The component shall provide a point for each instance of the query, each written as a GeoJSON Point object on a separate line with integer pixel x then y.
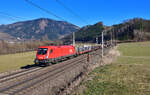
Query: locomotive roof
{"type": "Point", "coordinates": [56, 46]}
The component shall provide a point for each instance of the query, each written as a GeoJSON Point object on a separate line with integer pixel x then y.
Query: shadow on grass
{"type": "Point", "coordinates": [35, 65]}
{"type": "Point", "coordinates": [30, 66]}
{"type": "Point", "coordinates": [43, 65]}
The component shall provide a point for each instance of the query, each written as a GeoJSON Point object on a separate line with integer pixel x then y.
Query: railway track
{"type": "Point", "coordinates": [18, 74]}
{"type": "Point", "coordinates": [11, 74]}
{"type": "Point", "coordinates": [18, 82]}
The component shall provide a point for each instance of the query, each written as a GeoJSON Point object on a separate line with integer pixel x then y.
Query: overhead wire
{"type": "Point", "coordinates": [45, 10]}
{"type": "Point", "coordinates": [7, 17]}
{"type": "Point", "coordinates": [71, 11]}
{"type": "Point", "coordinates": [12, 17]}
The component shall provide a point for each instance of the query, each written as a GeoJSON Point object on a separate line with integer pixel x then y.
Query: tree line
{"type": "Point", "coordinates": [19, 47]}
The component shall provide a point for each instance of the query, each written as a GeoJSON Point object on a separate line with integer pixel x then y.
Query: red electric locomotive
{"type": "Point", "coordinates": [51, 54]}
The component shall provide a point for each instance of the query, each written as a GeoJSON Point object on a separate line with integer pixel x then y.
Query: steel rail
{"type": "Point", "coordinates": [35, 77]}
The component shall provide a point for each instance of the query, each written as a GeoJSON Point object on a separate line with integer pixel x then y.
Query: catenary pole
{"type": "Point", "coordinates": [73, 38]}
{"type": "Point", "coordinates": [102, 44]}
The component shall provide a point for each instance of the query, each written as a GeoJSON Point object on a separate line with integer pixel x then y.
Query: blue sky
{"type": "Point", "coordinates": [108, 11]}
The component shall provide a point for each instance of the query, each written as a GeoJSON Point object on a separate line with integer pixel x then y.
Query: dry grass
{"type": "Point", "coordinates": [15, 61]}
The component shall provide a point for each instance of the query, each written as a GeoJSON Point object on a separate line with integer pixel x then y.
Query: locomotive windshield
{"type": "Point", "coordinates": [42, 51]}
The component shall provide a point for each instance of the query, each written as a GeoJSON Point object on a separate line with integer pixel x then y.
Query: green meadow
{"type": "Point", "coordinates": [16, 61]}
{"type": "Point", "coordinates": [128, 75]}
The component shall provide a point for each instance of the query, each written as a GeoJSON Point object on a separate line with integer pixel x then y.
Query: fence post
{"type": "Point", "coordinates": [88, 58]}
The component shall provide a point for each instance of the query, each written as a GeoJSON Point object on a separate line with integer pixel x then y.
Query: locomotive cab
{"type": "Point", "coordinates": [42, 53]}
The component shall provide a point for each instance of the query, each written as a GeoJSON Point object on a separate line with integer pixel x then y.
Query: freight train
{"type": "Point", "coordinates": [47, 55]}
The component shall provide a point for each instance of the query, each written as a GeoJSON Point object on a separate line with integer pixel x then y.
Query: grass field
{"type": "Point", "coordinates": [129, 75]}
{"type": "Point", "coordinates": [15, 61]}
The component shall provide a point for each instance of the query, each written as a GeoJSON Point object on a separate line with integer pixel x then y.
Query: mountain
{"type": "Point", "coordinates": [136, 29]}
{"type": "Point", "coordinates": [42, 28]}
{"type": "Point", "coordinates": [87, 33]}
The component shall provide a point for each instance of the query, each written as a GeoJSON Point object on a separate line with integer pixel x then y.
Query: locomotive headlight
{"type": "Point", "coordinates": [46, 56]}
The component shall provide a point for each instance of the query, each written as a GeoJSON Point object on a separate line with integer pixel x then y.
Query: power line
{"type": "Point", "coordinates": [45, 10]}
{"type": "Point", "coordinates": [12, 17]}
{"type": "Point", "coordinates": [71, 11]}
